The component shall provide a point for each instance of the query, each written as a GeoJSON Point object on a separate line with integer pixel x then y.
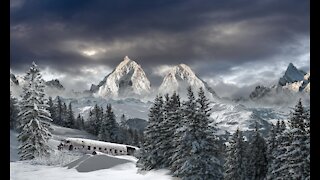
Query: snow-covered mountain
{"type": "Point", "coordinates": [293, 83]}
{"type": "Point", "coordinates": [54, 83]}
{"type": "Point", "coordinates": [291, 75]}
{"type": "Point", "coordinates": [127, 79]}
{"type": "Point", "coordinates": [52, 88]}
{"type": "Point", "coordinates": [179, 78]}
{"type": "Point", "coordinates": [132, 108]}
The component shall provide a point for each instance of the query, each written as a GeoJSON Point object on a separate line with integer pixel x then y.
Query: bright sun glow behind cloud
{"type": "Point", "coordinates": [89, 52]}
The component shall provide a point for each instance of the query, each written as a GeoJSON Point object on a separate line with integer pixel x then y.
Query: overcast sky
{"type": "Point", "coordinates": [233, 45]}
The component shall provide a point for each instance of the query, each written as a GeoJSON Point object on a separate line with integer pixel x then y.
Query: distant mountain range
{"type": "Point", "coordinates": [129, 80]}
{"type": "Point", "coordinates": [52, 87]}
{"type": "Point", "coordinates": [292, 82]}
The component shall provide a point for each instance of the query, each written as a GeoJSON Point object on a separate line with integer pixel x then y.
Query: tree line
{"type": "Point", "coordinates": [180, 137]}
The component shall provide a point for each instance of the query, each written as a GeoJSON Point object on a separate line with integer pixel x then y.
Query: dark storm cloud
{"type": "Point", "coordinates": [208, 35]}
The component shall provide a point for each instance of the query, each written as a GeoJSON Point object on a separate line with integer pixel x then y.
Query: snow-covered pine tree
{"type": "Point", "coordinates": [177, 115]}
{"type": "Point", "coordinates": [275, 169]}
{"type": "Point", "coordinates": [34, 117]}
{"type": "Point", "coordinates": [199, 160]}
{"type": "Point", "coordinates": [175, 118]}
{"type": "Point", "coordinates": [149, 158]}
{"type": "Point", "coordinates": [212, 150]}
{"type": "Point", "coordinates": [235, 164]}
{"type": "Point", "coordinates": [70, 121]}
{"type": "Point", "coordinates": [14, 110]}
{"type": "Point", "coordinates": [271, 143]}
{"type": "Point", "coordinates": [257, 157]}
{"type": "Point", "coordinates": [181, 136]}
{"type": "Point", "coordinates": [307, 144]}
{"type": "Point", "coordinates": [290, 160]}
{"type": "Point", "coordinates": [166, 128]}
{"type": "Point", "coordinates": [298, 149]}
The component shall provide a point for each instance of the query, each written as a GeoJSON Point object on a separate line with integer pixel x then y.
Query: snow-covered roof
{"type": "Point", "coordinates": [90, 142]}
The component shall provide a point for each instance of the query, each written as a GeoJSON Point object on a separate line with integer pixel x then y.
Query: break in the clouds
{"type": "Point", "coordinates": [240, 43]}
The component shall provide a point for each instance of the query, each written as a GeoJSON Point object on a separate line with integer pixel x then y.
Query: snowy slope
{"type": "Point", "coordinates": [229, 116]}
{"type": "Point", "coordinates": [31, 170]}
{"type": "Point", "coordinates": [179, 78]}
{"type": "Point", "coordinates": [26, 171]}
{"type": "Point", "coordinates": [126, 80]}
{"type": "Point", "coordinates": [132, 108]}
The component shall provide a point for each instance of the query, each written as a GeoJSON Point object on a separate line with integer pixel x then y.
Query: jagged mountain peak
{"type": "Point", "coordinates": [126, 62]}
{"type": "Point", "coordinates": [291, 75]}
{"type": "Point", "coordinates": [181, 76]}
{"type": "Point", "coordinates": [292, 82]}
{"type": "Point", "coordinates": [55, 83]}
{"type": "Point", "coordinates": [127, 79]}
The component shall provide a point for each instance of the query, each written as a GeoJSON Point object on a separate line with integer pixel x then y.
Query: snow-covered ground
{"type": "Point", "coordinates": [25, 171]}
{"type": "Point", "coordinates": [92, 167]}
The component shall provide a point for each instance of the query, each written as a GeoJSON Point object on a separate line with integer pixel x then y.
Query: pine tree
{"type": "Point", "coordinates": [271, 144]}
{"type": "Point", "coordinates": [109, 130]}
{"type": "Point", "coordinates": [79, 122]}
{"type": "Point", "coordinates": [14, 110]}
{"type": "Point", "coordinates": [95, 119]}
{"type": "Point", "coordinates": [123, 121]}
{"type": "Point", "coordinates": [166, 128]}
{"type": "Point", "coordinates": [34, 117]}
{"type": "Point", "coordinates": [64, 115]}
{"type": "Point", "coordinates": [235, 164]}
{"type": "Point", "coordinates": [150, 157]}
{"type": "Point", "coordinates": [105, 132]}
{"type": "Point", "coordinates": [277, 168]}
{"type": "Point", "coordinates": [89, 125]}
{"type": "Point", "coordinates": [257, 157]}
{"type": "Point", "coordinates": [189, 109]}
{"type": "Point", "coordinates": [200, 159]}
{"type": "Point", "coordinates": [291, 157]}
{"type": "Point", "coordinates": [70, 121]}
{"type": "Point", "coordinates": [58, 112]}
{"type": "Point", "coordinates": [52, 109]}
{"type": "Point", "coordinates": [307, 145]}
{"type": "Point", "coordinates": [298, 149]}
